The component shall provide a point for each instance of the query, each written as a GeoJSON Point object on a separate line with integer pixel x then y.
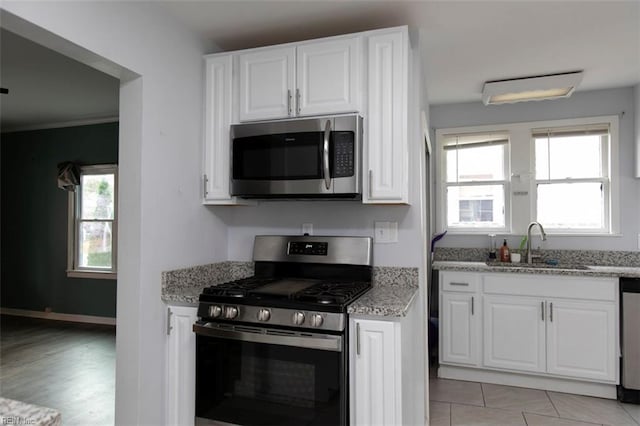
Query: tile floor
{"type": "Point", "coordinates": [459, 403]}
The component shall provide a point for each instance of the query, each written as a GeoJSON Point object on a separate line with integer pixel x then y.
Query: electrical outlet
{"type": "Point", "coordinates": [385, 232]}
{"type": "Point", "coordinates": [307, 228]}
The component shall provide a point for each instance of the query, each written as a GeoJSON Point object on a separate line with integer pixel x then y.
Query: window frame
{"type": "Point", "coordinates": [605, 180]}
{"type": "Point", "coordinates": [522, 175]}
{"type": "Point", "coordinates": [73, 223]}
{"type": "Point", "coordinates": [443, 185]}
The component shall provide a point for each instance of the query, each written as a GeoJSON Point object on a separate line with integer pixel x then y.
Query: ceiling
{"type": "Point", "coordinates": [463, 45]}
{"type": "Point", "coordinates": [47, 89]}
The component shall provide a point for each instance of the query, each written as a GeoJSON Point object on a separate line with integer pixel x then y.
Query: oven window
{"type": "Point", "coordinates": [278, 157]}
{"type": "Point", "coordinates": [260, 384]}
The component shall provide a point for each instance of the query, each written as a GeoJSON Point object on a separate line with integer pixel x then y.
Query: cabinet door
{"type": "Point", "coordinates": [328, 77]}
{"type": "Point", "coordinates": [216, 138]}
{"type": "Point", "coordinates": [386, 146]}
{"type": "Point", "coordinates": [375, 391]}
{"type": "Point", "coordinates": [181, 366]}
{"type": "Point", "coordinates": [267, 80]}
{"type": "Point", "coordinates": [581, 339]}
{"type": "Point", "coordinates": [514, 333]}
{"type": "Point", "coordinates": [460, 328]}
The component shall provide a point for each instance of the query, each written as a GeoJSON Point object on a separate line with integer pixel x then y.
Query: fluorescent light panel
{"type": "Point", "coordinates": [530, 88]}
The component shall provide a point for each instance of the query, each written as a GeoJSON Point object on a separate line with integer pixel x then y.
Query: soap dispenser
{"type": "Point", "coordinates": [505, 256]}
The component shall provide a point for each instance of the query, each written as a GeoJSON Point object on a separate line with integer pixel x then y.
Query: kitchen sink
{"type": "Point", "coordinates": [537, 265]}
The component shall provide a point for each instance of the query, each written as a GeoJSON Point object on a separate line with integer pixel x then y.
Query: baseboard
{"type": "Point", "coordinates": [600, 390]}
{"type": "Point", "coordinates": [56, 316]}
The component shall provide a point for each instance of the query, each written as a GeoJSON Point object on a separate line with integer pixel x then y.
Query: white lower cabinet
{"type": "Point", "coordinates": [545, 327]}
{"type": "Point", "coordinates": [181, 365]}
{"type": "Point", "coordinates": [514, 333]}
{"type": "Point", "coordinates": [377, 384]}
{"type": "Point", "coordinates": [581, 339]}
{"type": "Point", "coordinates": [387, 359]}
{"type": "Point", "coordinates": [460, 317]}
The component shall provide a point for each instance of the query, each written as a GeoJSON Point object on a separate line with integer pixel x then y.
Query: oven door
{"type": "Point", "coordinates": [255, 376]}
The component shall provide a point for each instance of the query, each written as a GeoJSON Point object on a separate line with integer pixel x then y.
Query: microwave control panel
{"type": "Point", "coordinates": [343, 154]}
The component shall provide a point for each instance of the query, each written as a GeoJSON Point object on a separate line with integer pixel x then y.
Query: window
{"type": "Point", "coordinates": [93, 223]}
{"type": "Point", "coordinates": [572, 178]}
{"type": "Point", "coordinates": [475, 170]}
{"type": "Point", "coordinates": [561, 173]}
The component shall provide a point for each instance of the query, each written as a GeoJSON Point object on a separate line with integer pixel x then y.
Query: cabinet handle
{"type": "Point", "coordinates": [298, 101]}
{"type": "Point", "coordinates": [461, 284]}
{"type": "Point", "coordinates": [542, 309]}
{"type": "Point", "coordinates": [370, 182]}
{"type": "Point", "coordinates": [357, 338]}
{"type": "Point", "coordinates": [551, 311]}
{"type": "Point", "coordinates": [472, 304]}
{"type": "Point", "coordinates": [169, 327]}
{"type": "Point", "coordinates": [289, 102]}
{"type": "Point", "coordinates": [205, 181]}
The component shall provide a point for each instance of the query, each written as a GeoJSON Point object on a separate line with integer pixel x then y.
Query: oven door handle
{"type": "Point", "coordinates": [325, 155]}
{"type": "Point", "coordinates": [323, 342]}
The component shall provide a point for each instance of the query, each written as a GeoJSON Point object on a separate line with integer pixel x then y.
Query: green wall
{"type": "Point", "coordinates": [34, 220]}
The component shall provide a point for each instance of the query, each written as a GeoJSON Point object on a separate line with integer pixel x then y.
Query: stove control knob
{"type": "Point", "coordinates": [215, 311]}
{"type": "Point", "coordinates": [298, 318]}
{"type": "Point", "coordinates": [316, 320]}
{"type": "Point", "coordinates": [264, 315]}
{"type": "Point", "coordinates": [231, 312]}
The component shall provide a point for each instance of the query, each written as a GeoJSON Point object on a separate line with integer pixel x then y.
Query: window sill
{"type": "Point", "coordinates": [96, 275]}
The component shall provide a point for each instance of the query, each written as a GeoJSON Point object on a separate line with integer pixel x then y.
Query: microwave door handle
{"type": "Point", "coordinates": [325, 155]}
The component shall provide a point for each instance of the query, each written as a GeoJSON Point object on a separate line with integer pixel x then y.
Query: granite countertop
{"type": "Point", "coordinates": [394, 288]}
{"type": "Point", "coordinates": [592, 271]}
{"type": "Point", "coordinates": [385, 301]}
{"type": "Point", "coordinates": [14, 412]}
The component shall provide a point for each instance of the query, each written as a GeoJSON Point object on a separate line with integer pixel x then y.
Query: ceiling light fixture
{"type": "Point", "coordinates": [536, 88]}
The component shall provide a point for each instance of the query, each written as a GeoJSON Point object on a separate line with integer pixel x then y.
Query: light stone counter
{"type": "Point", "coordinates": [592, 271]}
{"type": "Point", "coordinates": [14, 412]}
{"type": "Point", "coordinates": [183, 286]}
{"type": "Point", "coordinates": [394, 289]}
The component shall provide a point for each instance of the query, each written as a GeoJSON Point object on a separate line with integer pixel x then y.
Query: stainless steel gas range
{"type": "Point", "coordinates": [272, 349]}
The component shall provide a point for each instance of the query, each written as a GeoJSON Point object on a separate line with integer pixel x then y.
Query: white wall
{"type": "Point", "coordinates": [580, 104]}
{"type": "Point", "coordinates": [636, 91]}
{"type": "Point", "coordinates": [162, 223]}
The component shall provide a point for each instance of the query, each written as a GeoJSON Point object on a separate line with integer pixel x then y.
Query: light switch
{"type": "Point", "coordinates": [385, 232]}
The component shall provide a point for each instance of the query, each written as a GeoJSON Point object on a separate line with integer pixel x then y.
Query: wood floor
{"type": "Point", "coordinates": [66, 366]}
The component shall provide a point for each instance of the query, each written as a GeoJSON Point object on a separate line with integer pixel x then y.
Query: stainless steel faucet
{"type": "Point", "coordinates": [543, 235]}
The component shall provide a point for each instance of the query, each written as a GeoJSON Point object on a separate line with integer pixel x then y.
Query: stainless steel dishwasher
{"type": "Point", "coordinates": [629, 389]}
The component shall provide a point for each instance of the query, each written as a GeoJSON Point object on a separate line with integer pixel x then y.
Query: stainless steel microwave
{"type": "Point", "coordinates": [303, 158]}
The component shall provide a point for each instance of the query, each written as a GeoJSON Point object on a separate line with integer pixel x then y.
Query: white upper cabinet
{"type": "Point", "coordinates": [216, 132]}
{"type": "Point", "coordinates": [386, 144]}
{"type": "Point", "coordinates": [366, 73]}
{"type": "Point", "coordinates": [267, 83]}
{"type": "Point", "coordinates": [312, 78]}
{"type": "Point", "coordinates": [328, 76]}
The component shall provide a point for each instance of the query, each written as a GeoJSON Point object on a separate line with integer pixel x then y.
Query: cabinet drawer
{"type": "Point", "coordinates": [542, 285]}
{"type": "Point", "coordinates": [459, 281]}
